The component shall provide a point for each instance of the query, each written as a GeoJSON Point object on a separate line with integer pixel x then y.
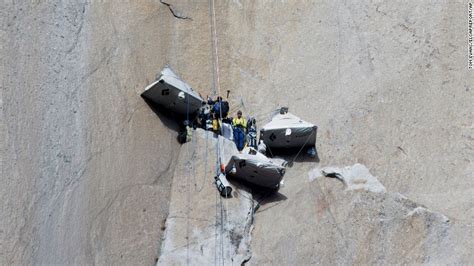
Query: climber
{"type": "Point", "coordinates": [220, 108]}
{"type": "Point", "coordinates": [239, 124]}
{"type": "Point", "coordinates": [219, 112]}
{"type": "Point", "coordinates": [214, 113]}
{"type": "Point", "coordinates": [252, 133]}
{"type": "Point", "coordinates": [204, 117]}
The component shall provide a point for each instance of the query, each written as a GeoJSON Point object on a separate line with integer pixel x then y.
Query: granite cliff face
{"type": "Point", "coordinates": [89, 170]}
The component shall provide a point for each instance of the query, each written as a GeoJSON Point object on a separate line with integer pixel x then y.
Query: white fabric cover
{"type": "Point", "coordinates": [171, 92]}
{"type": "Point", "coordinates": [285, 121]}
{"type": "Point", "coordinates": [171, 78]}
{"type": "Point", "coordinates": [288, 131]}
{"type": "Point", "coordinates": [254, 167]}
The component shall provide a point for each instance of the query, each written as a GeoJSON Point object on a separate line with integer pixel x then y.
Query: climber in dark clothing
{"type": "Point", "coordinates": [204, 117]}
{"type": "Point", "coordinates": [252, 133]}
{"type": "Point", "coordinates": [219, 112]}
{"type": "Point", "coordinates": [220, 108]}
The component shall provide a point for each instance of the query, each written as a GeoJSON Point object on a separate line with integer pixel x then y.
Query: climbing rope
{"type": "Point", "coordinates": [216, 87]}
{"type": "Point", "coordinates": [215, 230]}
{"type": "Point", "coordinates": [188, 199]}
{"type": "Point", "coordinates": [206, 156]}
{"type": "Point", "coordinates": [221, 245]}
{"type": "Point", "coordinates": [309, 136]}
{"type": "Point", "coordinates": [270, 150]}
{"type": "Point", "coordinates": [214, 37]}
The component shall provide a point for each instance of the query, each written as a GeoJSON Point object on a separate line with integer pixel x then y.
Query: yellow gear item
{"type": "Point", "coordinates": [216, 125]}
{"type": "Point", "coordinates": [239, 122]}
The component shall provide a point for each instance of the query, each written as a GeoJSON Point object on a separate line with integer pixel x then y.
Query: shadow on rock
{"type": "Point", "coordinates": [171, 120]}
{"type": "Point", "coordinates": [260, 195]}
{"type": "Point", "coordinates": [292, 155]}
{"type": "Point", "coordinates": [272, 197]}
{"type": "Point", "coordinates": [264, 201]}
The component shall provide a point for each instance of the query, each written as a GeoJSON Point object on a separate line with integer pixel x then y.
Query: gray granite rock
{"type": "Point", "coordinates": [204, 228]}
{"type": "Point", "coordinates": [87, 167]}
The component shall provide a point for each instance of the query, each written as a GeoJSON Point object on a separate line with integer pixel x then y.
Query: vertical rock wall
{"type": "Point", "coordinates": [86, 166]}
{"type": "Point", "coordinates": [204, 228]}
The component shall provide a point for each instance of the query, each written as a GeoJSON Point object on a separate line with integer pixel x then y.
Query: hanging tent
{"type": "Point", "coordinates": [255, 168]}
{"type": "Point", "coordinates": [286, 130]}
{"type": "Point", "coordinates": [171, 92]}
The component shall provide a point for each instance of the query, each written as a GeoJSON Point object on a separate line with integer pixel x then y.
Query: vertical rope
{"type": "Point", "coordinates": [214, 37]}
{"type": "Point", "coordinates": [216, 87]}
{"type": "Point", "coordinates": [187, 183]}
{"type": "Point", "coordinates": [213, 94]}
{"type": "Point", "coordinates": [211, 30]}
{"type": "Point", "coordinates": [215, 232]}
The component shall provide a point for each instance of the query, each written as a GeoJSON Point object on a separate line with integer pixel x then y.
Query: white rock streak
{"type": "Point", "coordinates": [355, 177]}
